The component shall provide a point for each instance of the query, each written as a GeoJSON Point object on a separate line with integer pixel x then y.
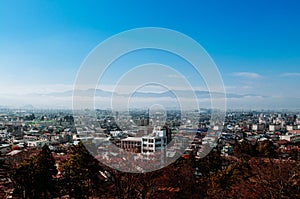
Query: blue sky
{"type": "Point", "coordinates": [255, 44]}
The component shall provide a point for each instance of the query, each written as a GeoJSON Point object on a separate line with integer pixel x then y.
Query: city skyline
{"type": "Point", "coordinates": [255, 46]}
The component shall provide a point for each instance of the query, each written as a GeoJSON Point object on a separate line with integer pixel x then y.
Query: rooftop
{"type": "Point", "coordinates": [135, 139]}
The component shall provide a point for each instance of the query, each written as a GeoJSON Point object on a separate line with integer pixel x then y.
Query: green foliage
{"type": "Point", "coordinates": [81, 172]}
{"type": "Point", "coordinates": [34, 177]}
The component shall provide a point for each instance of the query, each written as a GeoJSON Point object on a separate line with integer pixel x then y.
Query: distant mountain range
{"type": "Point", "coordinates": [170, 94]}
{"type": "Point", "coordinates": [63, 100]}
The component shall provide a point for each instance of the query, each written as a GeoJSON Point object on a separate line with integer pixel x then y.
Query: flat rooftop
{"type": "Point", "coordinates": [135, 139]}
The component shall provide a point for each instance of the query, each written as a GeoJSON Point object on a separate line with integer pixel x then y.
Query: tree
{"type": "Point", "coordinates": [222, 183]}
{"type": "Point", "coordinates": [257, 178]}
{"type": "Point", "coordinates": [245, 149]}
{"type": "Point", "coordinates": [5, 176]}
{"type": "Point", "coordinates": [267, 149]}
{"type": "Point", "coordinates": [81, 172]}
{"type": "Point", "coordinates": [45, 170]}
{"type": "Point", "coordinates": [294, 154]}
{"type": "Point", "coordinates": [25, 177]}
{"type": "Point", "coordinates": [210, 163]}
{"type": "Point", "coordinates": [34, 177]}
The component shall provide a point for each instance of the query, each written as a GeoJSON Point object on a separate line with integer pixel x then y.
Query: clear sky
{"type": "Point", "coordinates": [255, 44]}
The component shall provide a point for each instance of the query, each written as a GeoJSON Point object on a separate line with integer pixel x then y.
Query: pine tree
{"type": "Point", "coordinates": [81, 172]}
{"type": "Point", "coordinates": [34, 177]}
{"type": "Point", "coordinates": [45, 170]}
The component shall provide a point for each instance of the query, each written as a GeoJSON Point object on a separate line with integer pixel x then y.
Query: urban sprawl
{"type": "Point", "coordinates": [271, 138]}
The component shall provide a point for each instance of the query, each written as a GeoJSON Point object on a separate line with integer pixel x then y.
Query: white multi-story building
{"type": "Point", "coordinates": [290, 127]}
{"type": "Point", "coordinates": [274, 127]}
{"type": "Point", "coordinates": [132, 144]}
{"type": "Point", "coordinates": [294, 138]}
{"type": "Point", "coordinates": [258, 127]}
{"type": "Point", "coordinates": [154, 142]}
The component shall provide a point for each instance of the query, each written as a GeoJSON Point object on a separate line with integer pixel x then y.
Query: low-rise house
{"type": "Point", "coordinates": [37, 143]}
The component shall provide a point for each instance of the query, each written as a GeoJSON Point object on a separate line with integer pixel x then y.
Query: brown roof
{"type": "Point", "coordinates": [282, 142]}
{"type": "Point", "coordinates": [294, 131]}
